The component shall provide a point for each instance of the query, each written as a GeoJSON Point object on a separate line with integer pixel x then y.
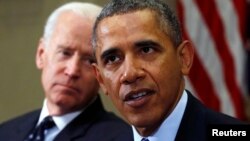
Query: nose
{"type": "Point", "coordinates": [132, 71]}
{"type": "Point", "coordinates": [73, 67]}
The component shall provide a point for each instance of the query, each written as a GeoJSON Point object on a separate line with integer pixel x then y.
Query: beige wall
{"type": "Point", "coordinates": [21, 25]}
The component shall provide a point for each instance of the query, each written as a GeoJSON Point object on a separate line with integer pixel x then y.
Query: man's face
{"type": "Point", "coordinates": [139, 68]}
{"type": "Point", "coordinates": [67, 74]}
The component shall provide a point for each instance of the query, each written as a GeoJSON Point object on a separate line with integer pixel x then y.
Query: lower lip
{"type": "Point", "coordinates": [66, 88]}
{"type": "Point", "coordinates": [137, 103]}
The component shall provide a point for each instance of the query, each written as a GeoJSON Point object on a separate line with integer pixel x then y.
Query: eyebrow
{"type": "Point", "coordinates": [109, 51]}
{"type": "Point", "coordinates": [63, 47]}
{"type": "Point", "coordinates": [147, 43]}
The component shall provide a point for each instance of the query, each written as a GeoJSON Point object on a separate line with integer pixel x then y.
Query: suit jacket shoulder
{"type": "Point", "coordinates": [93, 124]}
{"type": "Point", "coordinates": [196, 119]}
{"type": "Point", "coordinates": [96, 124]}
{"type": "Point", "coordinates": [18, 128]}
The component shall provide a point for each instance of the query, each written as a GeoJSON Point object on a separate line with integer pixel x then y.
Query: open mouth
{"type": "Point", "coordinates": [137, 95]}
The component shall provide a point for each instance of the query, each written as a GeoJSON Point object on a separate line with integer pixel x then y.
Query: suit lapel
{"type": "Point", "coordinates": [27, 124]}
{"type": "Point", "coordinates": [192, 123]}
{"type": "Point", "coordinates": [79, 126]}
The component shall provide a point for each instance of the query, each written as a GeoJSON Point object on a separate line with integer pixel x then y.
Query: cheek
{"type": "Point", "coordinates": [108, 75]}
{"type": "Point", "coordinates": [168, 65]}
{"type": "Point", "coordinates": [111, 82]}
{"type": "Point", "coordinates": [50, 72]}
{"type": "Point", "coordinates": [113, 86]}
{"type": "Point", "coordinates": [170, 79]}
{"type": "Point", "coordinates": [166, 72]}
{"type": "Point", "coordinates": [90, 82]}
{"type": "Point", "coordinates": [159, 69]}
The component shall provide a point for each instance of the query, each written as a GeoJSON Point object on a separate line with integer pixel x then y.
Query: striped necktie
{"type": "Point", "coordinates": [144, 139]}
{"type": "Point", "coordinates": [40, 131]}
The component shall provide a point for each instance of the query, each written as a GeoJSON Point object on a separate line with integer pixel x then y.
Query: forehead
{"type": "Point", "coordinates": [72, 22]}
{"type": "Point", "coordinates": [72, 30]}
{"type": "Point", "coordinates": [128, 28]}
{"type": "Point", "coordinates": [136, 19]}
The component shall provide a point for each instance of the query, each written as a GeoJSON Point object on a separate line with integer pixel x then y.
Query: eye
{"type": "Point", "coordinates": [91, 60]}
{"type": "Point", "coordinates": [111, 56]}
{"type": "Point", "coordinates": [88, 60]}
{"type": "Point", "coordinates": [110, 59]}
{"type": "Point", "coordinates": [66, 53]}
{"type": "Point", "coordinates": [147, 50]}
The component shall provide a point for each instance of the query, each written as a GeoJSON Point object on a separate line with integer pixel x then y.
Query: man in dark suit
{"type": "Point", "coordinates": [64, 56]}
{"type": "Point", "coordinates": [141, 64]}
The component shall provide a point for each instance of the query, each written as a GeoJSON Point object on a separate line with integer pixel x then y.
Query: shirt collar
{"type": "Point", "coordinates": [60, 121]}
{"type": "Point", "coordinates": [170, 125]}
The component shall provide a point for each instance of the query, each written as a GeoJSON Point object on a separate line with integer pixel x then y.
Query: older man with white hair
{"type": "Point", "coordinates": [72, 109]}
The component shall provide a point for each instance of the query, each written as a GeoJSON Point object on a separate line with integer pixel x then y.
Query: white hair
{"type": "Point", "coordinates": [85, 9]}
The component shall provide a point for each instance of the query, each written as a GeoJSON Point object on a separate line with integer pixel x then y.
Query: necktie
{"type": "Point", "coordinates": [144, 139]}
{"type": "Point", "coordinates": [41, 130]}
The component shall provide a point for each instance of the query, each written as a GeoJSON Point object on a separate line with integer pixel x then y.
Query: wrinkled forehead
{"type": "Point", "coordinates": [126, 21]}
{"type": "Point", "coordinates": [124, 32]}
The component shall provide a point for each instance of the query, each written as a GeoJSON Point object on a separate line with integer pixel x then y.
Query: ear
{"type": "Point", "coordinates": [40, 54]}
{"type": "Point", "coordinates": [99, 78]}
{"type": "Point", "coordinates": [186, 53]}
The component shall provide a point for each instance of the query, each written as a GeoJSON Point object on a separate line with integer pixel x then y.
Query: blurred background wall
{"type": "Point", "coordinates": [21, 25]}
{"type": "Point", "coordinates": [211, 25]}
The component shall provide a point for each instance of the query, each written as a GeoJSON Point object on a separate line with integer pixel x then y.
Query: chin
{"type": "Point", "coordinates": [64, 101]}
{"type": "Point", "coordinates": [140, 121]}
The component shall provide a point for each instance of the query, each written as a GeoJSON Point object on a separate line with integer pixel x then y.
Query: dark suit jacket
{"type": "Point", "coordinates": [94, 124]}
{"type": "Point", "coordinates": [196, 118]}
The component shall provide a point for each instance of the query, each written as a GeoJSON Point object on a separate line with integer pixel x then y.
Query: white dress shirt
{"type": "Point", "coordinates": [60, 121]}
{"type": "Point", "coordinates": [169, 127]}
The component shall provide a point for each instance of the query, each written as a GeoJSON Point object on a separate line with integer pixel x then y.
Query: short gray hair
{"type": "Point", "coordinates": [166, 18]}
{"type": "Point", "coordinates": [85, 9]}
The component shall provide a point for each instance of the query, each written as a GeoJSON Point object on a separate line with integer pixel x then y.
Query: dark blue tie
{"type": "Point", "coordinates": [144, 139]}
{"type": "Point", "coordinates": [39, 132]}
